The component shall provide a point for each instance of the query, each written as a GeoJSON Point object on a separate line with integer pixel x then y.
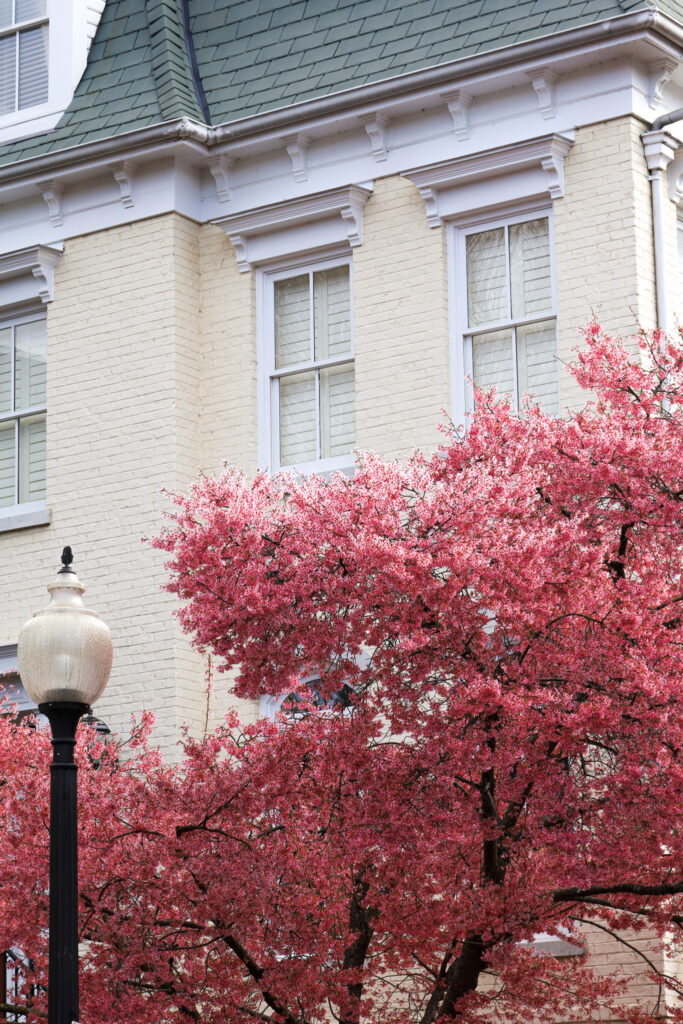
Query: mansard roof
{"type": "Point", "coordinates": [218, 61]}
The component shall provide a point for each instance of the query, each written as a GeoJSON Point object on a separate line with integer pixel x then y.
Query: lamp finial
{"type": "Point", "coordinates": [67, 559]}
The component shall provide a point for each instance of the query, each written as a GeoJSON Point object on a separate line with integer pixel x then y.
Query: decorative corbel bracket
{"type": "Point", "coordinates": [37, 263]}
{"type": "Point", "coordinates": [239, 244]}
{"type": "Point", "coordinates": [124, 177]}
{"type": "Point", "coordinates": [51, 192]}
{"type": "Point", "coordinates": [220, 167]}
{"type": "Point", "coordinates": [332, 218]}
{"type": "Point", "coordinates": [459, 102]}
{"type": "Point", "coordinates": [658, 75]}
{"type": "Point", "coordinates": [543, 81]}
{"type": "Point", "coordinates": [375, 125]}
{"type": "Point", "coordinates": [296, 146]}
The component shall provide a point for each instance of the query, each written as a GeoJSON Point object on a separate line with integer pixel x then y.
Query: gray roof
{"type": "Point", "coordinates": [218, 60]}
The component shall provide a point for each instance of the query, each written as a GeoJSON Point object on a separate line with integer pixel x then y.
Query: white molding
{"type": "Point", "coordinates": [535, 167]}
{"type": "Point", "coordinates": [21, 517]}
{"type": "Point", "coordinates": [375, 125]}
{"type": "Point", "coordinates": [220, 167]}
{"type": "Point", "coordinates": [296, 145]}
{"type": "Point", "coordinates": [51, 192]}
{"type": "Point", "coordinates": [297, 225]}
{"type": "Point", "coordinates": [459, 102]}
{"type": "Point", "coordinates": [34, 265]}
{"type": "Point", "coordinates": [124, 176]}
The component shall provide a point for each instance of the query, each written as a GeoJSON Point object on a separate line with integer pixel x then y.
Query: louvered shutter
{"type": "Point", "coordinates": [33, 76]}
{"type": "Point", "coordinates": [26, 10]}
{"type": "Point", "coordinates": [337, 411]}
{"type": "Point", "coordinates": [297, 419]}
{"type": "Point", "coordinates": [292, 321]}
{"type": "Point", "coordinates": [332, 306]}
{"type": "Point", "coordinates": [486, 277]}
{"type": "Point", "coordinates": [5, 369]}
{"type": "Point", "coordinates": [31, 458]}
{"type": "Point", "coordinates": [5, 13]}
{"type": "Point", "coordinates": [7, 472]}
{"type": "Point", "coordinates": [8, 60]}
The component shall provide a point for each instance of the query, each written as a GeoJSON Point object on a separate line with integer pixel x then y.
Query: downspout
{"type": "Point", "coordinates": [660, 148]}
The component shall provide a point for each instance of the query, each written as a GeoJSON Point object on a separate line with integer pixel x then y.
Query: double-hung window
{"type": "Point", "coordinates": [23, 349]}
{"type": "Point", "coordinates": [23, 54]}
{"type": "Point", "coordinates": [508, 320]}
{"type": "Point", "coordinates": [309, 368]}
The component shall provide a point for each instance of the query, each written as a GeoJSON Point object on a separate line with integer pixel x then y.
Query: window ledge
{"type": "Point", "coordinates": [22, 516]}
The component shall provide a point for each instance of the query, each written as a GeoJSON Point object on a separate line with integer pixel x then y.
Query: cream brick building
{"type": "Point", "coordinates": [165, 213]}
{"type": "Point", "coordinates": [271, 232]}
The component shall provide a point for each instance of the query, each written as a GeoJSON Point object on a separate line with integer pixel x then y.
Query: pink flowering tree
{"type": "Point", "coordinates": [493, 749]}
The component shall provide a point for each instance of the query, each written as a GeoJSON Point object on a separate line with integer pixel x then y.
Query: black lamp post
{"type": "Point", "coordinates": [65, 655]}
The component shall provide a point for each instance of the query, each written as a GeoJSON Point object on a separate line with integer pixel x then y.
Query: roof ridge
{"type": "Point", "coordinates": [173, 79]}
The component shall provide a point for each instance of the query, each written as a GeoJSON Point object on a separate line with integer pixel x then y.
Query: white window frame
{"type": "Point", "coordinates": [461, 344]}
{"type": "Point", "coordinates": [28, 513]}
{"type": "Point", "coordinates": [22, 113]}
{"type": "Point", "coordinates": [268, 375]}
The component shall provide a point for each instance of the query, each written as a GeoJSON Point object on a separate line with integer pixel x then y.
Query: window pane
{"type": "Point", "coordinates": [332, 312]}
{"type": "Point", "coordinates": [30, 343]}
{"type": "Point", "coordinates": [7, 464]}
{"type": "Point", "coordinates": [492, 361]}
{"type": "Point", "coordinates": [530, 287]}
{"type": "Point", "coordinates": [28, 9]}
{"type": "Point", "coordinates": [292, 321]}
{"type": "Point", "coordinates": [5, 13]}
{"type": "Point", "coordinates": [31, 458]}
{"type": "Point", "coordinates": [297, 419]}
{"type": "Point", "coordinates": [487, 298]}
{"type": "Point", "coordinates": [8, 58]}
{"type": "Point", "coordinates": [33, 67]}
{"type": "Point", "coordinates": [6, 369]}
{"type": "Point", "coordinates": [537, 364]}
{"type": "Point", "coordinates": [337, 411]}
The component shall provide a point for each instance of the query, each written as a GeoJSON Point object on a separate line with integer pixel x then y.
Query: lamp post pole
{"type": "Point", "coordinates": [65, 655]}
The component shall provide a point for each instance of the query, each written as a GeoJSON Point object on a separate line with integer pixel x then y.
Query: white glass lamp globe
{"type": "Point", "coordinates": [65, 650]}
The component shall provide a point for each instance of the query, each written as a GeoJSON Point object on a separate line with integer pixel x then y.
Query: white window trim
{"type": "Point", "coordinates": [29, 513]}
{"type": "Point", "coordinates": [267, 411]}
{"type": "Point", "coordinates": [457, 231]}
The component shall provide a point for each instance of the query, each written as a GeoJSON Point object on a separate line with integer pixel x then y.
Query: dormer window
{"type": "Point", "coordinates": [23, 54]}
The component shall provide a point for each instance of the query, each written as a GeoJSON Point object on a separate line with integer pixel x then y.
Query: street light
{"type": "Point", "coordinates": [64, 655]}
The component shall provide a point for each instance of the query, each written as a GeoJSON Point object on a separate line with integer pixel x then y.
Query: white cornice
{"type": "Point", "coordinates": [544, 157]}
{"type": "Point", "coordinates": [33, 267]}
{"type": "Point", "coordinates": [287, 227]}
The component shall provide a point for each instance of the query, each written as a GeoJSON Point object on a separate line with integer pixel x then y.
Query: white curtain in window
{"type": "Point", "coordinates": [332, 308]}
{"type": "Point", "coordinates": [492, 362]}
{"type": "Point", "coordinates": [487, 297]}
{"type": "Point", "coordinates": [292, 321]}
{"type": "Point", "coordinates": [530, 281]}
{"type": "Point", "coordinates": [30, 346]}
{"type": "Point", "coordinates": [337, 411]}
{"type": "Point", "coordinates": [537, 364]}
{"type": "Point", "coordinates": [298, 419]}
{"type": "Point", "coordinates": [33, 77]}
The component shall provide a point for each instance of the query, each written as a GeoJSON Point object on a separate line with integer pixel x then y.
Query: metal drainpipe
{"type": "Point", "coordinates": [659, 151]}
